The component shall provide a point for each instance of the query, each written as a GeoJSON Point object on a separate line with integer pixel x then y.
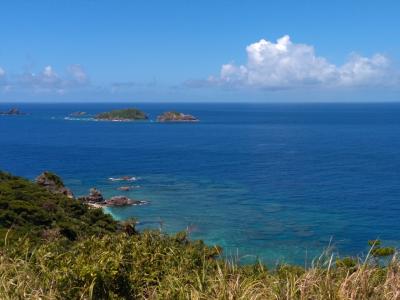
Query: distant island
{"type": "Point", "coordinates": [12, 112]}
{"type": "Point", "coordinates": [78, 114]}
{"type": "Point", "coordinates": [130, 114]}
{"type": "Point", "coordinates": [134, 114]}
{"type": "Point", "coordinates": [173, 116]}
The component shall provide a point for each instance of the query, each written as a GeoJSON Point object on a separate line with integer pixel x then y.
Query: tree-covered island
{"type": "Point", "coordinates": [129, 114]}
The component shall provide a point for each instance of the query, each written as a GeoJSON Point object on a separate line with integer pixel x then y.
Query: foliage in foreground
{"type": "Point", "coordinates": [53, 247]}
{"type": "Point", "coordinates": [151, 265]}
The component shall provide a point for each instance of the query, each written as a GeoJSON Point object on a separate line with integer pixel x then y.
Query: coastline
{"type": "Point", "coordinates": [107, 210]}
{"type": "Point", "coordinates": [269, 182]}
{"type": "Point", "coordinates": [94, 248]}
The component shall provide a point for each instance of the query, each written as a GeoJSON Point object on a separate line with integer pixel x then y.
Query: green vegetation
{"type": "Point", "coordinates": [54, 178]}
{"type": "Point", "coordinates": [123, 115]}
{"type": "Point", "coordinates": [54, 247]}
{"type": "Point", "coordinates": [174, 116]}
{"type": "Point", "coordinates": [174, 113]}
{"type": "Point", "coordinates": [25, 207]}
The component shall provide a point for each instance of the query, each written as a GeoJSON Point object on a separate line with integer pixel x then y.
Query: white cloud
{"type": "Point", "coordinates": [3, 80]}
{"type": "Point", "coordinates": [285, 64]}
{"type": "Point", "coordinates": [45, 81]}
{"type": "Point", "coordinates": [48, 80]}
{"type": "Point", "coordinates": [48, 72]}
{"type": "Point", "coordinates": [78, 73]}
{"type": "Point", "coordinates": [363, 70]}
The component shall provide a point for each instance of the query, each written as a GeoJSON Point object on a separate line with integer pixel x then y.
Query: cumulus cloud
{"type": "Point", "coordinates": [78, 73]}
{"type": "Point", "coordinates": [126, 86]}
{"type": "Point", "coordinates": [3, 81]}
{"type": "Point", "coordinates": [285, 64]}
{"type": "Point", "coordinates": [47, 80]}
{"type": "Point", "coordinates": [363, 70]}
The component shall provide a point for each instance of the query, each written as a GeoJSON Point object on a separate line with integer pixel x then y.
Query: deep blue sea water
{"type": "Point", "coordinates": [269, 181]}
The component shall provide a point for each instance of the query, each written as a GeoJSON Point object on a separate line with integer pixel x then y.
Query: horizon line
{"type": "Point", "coordinates": [205, 102]}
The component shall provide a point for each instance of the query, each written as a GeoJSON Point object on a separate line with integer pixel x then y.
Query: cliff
{"type": "Point", "coordinates": [54, 184]}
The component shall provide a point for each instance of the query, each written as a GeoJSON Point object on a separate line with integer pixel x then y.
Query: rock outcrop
{"type": "Point", "coordinates": [12, 112]}
{"type": "Point", "coordinates": [96, 199]}
{"type": "Point", "coordinates": [125, 188]}
{"type": "Point", "coordinates": [54, 184]}
{"type": "Point", "coordinates": [123, 201]}
{"type": "Point", "coordinates": [78, 114]}
{"type": "Point", "coordinates": [173, 116]}
{"type": "Point", "coordinates": [94, 196]}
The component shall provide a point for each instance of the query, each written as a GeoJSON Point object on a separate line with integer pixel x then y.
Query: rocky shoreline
{"type": "Point", "coordinates": [94, 199]}
{"type": "Point", "coordinates": [54, 184]}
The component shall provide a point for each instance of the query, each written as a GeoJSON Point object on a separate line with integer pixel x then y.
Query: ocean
{"type": "Point", "coordinates": [270, 182]}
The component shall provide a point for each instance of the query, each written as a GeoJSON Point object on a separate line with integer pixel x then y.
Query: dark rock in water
{"type": "Point", "coordinates": [173, 116]}
{"type": "Point", "coordinates": [125, 188]}
{"type": "Point", "coordinates": [94, 196]}
{"type": "Point", "coordinates": [54, 184]}
{"type": "Point", "coordinates": [78, 114]}
{"type": "Point", "coordinates": [123, 201]}
{"type": "Point", "coordinates": [96, 199]}
{"type": "Point", "coordinates": [12, 112]}
{"type": "Point", "coordinates": [123, 178]}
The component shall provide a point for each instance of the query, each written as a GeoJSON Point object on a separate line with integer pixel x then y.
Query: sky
{"type": "Point", "coordinates": [199, 51]}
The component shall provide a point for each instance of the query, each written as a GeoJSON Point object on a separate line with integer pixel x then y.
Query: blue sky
{"type": "Point", "coordinates": [199, 51]}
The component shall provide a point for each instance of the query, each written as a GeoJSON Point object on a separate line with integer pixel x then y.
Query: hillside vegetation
{"type": "Point", "coordinates": [54, 247]}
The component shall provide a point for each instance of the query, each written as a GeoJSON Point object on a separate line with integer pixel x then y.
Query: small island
{"type": "Point", "coordinates": [78, 114]}
{"type": "Point", "coordinates": [130, 114]}
{"type": "Point", "coordinates": [12, 112]}
{"type": "Point", "coordinates": [173, 116]}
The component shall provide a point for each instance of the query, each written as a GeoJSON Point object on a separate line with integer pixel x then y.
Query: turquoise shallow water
{"type": "Point", "coordinates": [268, 181]}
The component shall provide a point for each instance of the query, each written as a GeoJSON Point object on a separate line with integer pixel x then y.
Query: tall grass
{"type": "Point", "coordinates": [155, 266]}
